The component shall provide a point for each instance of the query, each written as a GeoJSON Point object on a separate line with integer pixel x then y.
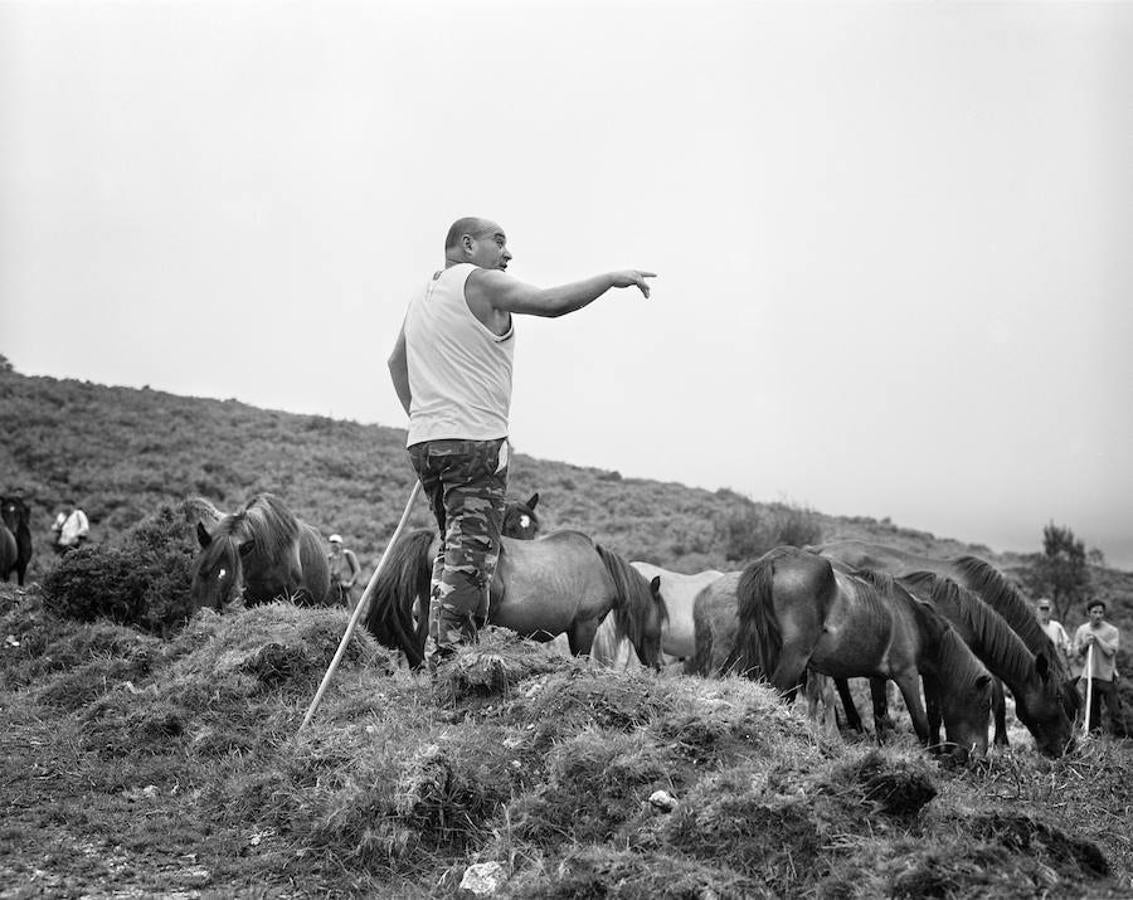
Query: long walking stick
{"type": "Point", "coordinates": [1089, 686]}
{"type": "Point", "coordinates": [360, 609]}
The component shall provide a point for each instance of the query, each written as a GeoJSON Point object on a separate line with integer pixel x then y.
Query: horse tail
{"type": "Point", "coordinates": [633, 598]}
{"type": "Point", "coordinates": [407, 576]}
{"type": "Point", "coordinates": [758, 640]}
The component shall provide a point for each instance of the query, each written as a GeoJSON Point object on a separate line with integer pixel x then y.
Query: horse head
{"type": "Point", "coordinates": [652, 628]}
{"type": "Point", "coordinates": [964, 693]}
{"type": "Point", "coordinates": [1040, 707]}
{"type": "Point", "coordinates": [520, 521]}
{"type": "Point", "coordinates": [218, 571]}
{"type": "Point", "coordinates": [15, 512]}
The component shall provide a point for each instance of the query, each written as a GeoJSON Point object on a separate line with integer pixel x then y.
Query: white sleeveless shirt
{"type": "Point", "coordinates": [459, 370]}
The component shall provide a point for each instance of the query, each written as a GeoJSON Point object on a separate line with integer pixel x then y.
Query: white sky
{"type": "Point", "coordinates": [893, 239]}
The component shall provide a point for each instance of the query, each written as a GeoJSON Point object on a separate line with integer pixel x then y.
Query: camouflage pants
{"type": "Point", "coordinates": [466, 483]}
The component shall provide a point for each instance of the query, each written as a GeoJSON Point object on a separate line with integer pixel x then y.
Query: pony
{"type": "Point", "coordinates": [15, 514]}
{"type": "Point", "coordinates": [986, 582]}
{"type": "Point", "coordinates": [796, 610]}
{"type": "Point", "coordinates": [262, 552]}
{"type": "Point", "coordinates": [678, 639]}
{"type": "Point", "coordinates": [716, 624]}
{"type": "Point", "coordinates": [1038, 701]}
{"type": "Point", "coordinates": [563, 583]}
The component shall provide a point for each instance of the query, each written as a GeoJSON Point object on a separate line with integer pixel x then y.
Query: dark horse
{"type": "Point", "coordinates": [15, 554]}
{"type": "Point", "coordinates": [560, 584]}
{"type": "Point", "coordinates": [264, 553]}
{"type": "Point", "coordinates": [796, 610]}
{"type": "Point", "coordinates": [986, 582]}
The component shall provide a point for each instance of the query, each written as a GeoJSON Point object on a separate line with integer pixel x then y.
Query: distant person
{"type": "Point", "coordinates": [344, 571]}
{"type": "Point", "coordinates": [452, 369]}
{"type": "Point", "coordinates": [1054, 629]}
{"type": "Point", "coordinates": [71, 528]}
{"type": "Point", "coordinates": [1105, 639]}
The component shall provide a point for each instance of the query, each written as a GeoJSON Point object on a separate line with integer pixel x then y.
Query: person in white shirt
{"type": "Point", "coordinates": [452, 369]}
{"type": "Point", "coordinates": [71, 528]}
{"type": "Point", "coordinates": [1053, 629]}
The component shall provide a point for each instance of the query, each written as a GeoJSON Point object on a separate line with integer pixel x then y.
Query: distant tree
{"type": "Point", "coordinates": [1061, 572]}
{"type": "Point", "coordinates": [1095, 557]}
{"type": "Point", "coordinates": [5, 366]}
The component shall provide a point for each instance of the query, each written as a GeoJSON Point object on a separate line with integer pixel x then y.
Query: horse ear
{"type": "Point", "coordinates": [984, 681]}
{"type": "Point", "coordinates": [534, 501]}
{"type": "Point", "coordinates": [203, 536]}
{"type": "Point", "coordinates": [1042, 666]}
{"type": "Point", "coordinates": [247, 547]}
{"type": "Point", "coordinates": [655, 584]}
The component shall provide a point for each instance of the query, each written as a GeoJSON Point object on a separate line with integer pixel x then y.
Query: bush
{"type": "Point", "coordinates": [143, 582]}
{"type": "Point", "coordinates": [750, 532]}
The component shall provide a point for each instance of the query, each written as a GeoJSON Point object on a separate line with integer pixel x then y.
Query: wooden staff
{"type": "Point", "coordinates": [1089, 686]}
{"type": "Point", "coordinates": [360, 609]}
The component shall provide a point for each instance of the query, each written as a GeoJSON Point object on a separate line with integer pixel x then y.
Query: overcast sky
{"type": "Point", "coordinates": [893, 240]}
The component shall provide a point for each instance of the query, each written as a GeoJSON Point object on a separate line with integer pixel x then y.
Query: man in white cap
{"type": "Point", "coordinates": [344, 570]}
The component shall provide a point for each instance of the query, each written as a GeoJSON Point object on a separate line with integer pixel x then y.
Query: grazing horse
{"type": "Point", "coordinates": [563, 583]}
{"type": "Point", "coordinates": [984, 580]}
{"type": "Point", "coordinates": [797, 610]}
{"type": "Point", "coordinates": [678, 640]}
{"type": "Point", "coordinates": [263, 552]}
{"type": "Point", "coordinates": [716, 623]}
{"type": "Point", "coordinates": [1038, 701]}
{"type": "Point", "coordinates": [15, 515]}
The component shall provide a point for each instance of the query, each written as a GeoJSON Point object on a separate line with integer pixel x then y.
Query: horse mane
{"type": "Point", "coordinates": [991, 585]}
{"type": "Point", "coordinates": [269, 523]}
{"type": "Point", "coordinates": [635, 598]}
{"type": "Point", "coordinates": [198, 509]}
{"type": "Point", "coordinates": [759, 641]}
{"type": "Point", "coordinates": [993, 639]}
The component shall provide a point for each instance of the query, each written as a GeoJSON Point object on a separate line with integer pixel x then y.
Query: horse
{"type": "Point", "coordinates": [986, 582]}
{"type": "Point", "coordinates": [678, 639]}
{"type": "Point", "coordinates": [1038, 701]}
{"type": "Point", "coordinates": [262, 552]}
{"type": "Point", "coordinates": [520, 521]}
{"type": "Point", "coordinates": [563, 583]}
{"type": "Point", "coordinates": [716, 624]}
{"type": "Point", "coordinates": [796, 610]}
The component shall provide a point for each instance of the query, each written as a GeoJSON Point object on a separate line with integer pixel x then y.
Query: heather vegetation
{"type": "Point", "coordinates": [153, 751]}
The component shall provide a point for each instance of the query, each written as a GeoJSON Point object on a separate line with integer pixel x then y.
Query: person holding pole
{"type": "Point", "coordinates": [451, 366]}
{"type": "Point", "coordinates": [1095, 651]}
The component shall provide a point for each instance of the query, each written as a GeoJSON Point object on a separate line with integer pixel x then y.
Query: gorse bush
{"type": "Point", "coordinates": [141, 581]}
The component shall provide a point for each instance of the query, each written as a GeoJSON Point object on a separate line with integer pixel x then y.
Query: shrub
{"type": "Point", "coordinates": [144, 581]}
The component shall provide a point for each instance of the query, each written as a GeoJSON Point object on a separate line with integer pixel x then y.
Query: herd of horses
{"type": "Point", "coordinates": [954, 631]}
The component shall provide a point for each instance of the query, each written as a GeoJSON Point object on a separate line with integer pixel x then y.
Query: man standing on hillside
{"type": "Point", "coordinates": [1104, 639]}
{"type": "Point", "coordinates": [1053, 629]}
{"type": "Point", "coordinates": [344, 571]}
{"type": "Point", "coordinates": [452, 369]}
{"type": "Point", "coordinates": [71, 528]}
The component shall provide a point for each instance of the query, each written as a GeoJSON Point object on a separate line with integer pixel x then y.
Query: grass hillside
{"type": "Point", "coordinates": [152, 761]}
{"type": "Point", "coordinates": [122, 452]}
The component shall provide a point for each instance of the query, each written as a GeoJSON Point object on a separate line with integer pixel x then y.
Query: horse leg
{"type": "Point", "coordinates": [932, 691]}
{"type": "Point", "coordinates": [908, 684]}
{"type": "Point", "coordinates": [999, 712]}
{"type": "Point", "coordinates": [853, 719]}
{"type": "Point", "coordinates": [820, 691]}
{"type": "Point", "coordinates": [879, 698]}
{"type": "Point", "coordinates": [580, 636]}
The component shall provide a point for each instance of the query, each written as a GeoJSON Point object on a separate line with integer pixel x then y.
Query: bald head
{"type": "Point", "coordinates": [473, 226]}
{"type": "Point", "coordinates": [478, 241]}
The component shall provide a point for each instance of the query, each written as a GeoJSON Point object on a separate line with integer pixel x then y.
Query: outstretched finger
{"type": "Point", "coordinates": [642, 283]}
